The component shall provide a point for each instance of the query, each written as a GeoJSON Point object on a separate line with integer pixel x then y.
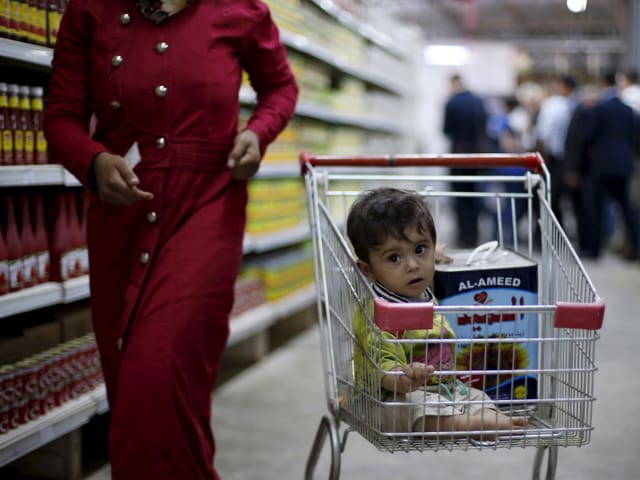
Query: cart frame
{"type": "Point", "coordinates": [568, 315]}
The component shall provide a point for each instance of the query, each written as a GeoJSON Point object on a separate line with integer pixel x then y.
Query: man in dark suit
{"type": "Point", "coordinates": [465, 123]}
{"type": "Point", "coordinates": [612, 136]}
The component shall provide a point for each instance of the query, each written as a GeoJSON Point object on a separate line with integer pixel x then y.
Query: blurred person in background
{"type": "Point", "coordinates": [504, 139]}
{"type": "Point", "coordinates": [551, 130]}
{"type": "Point", "coordinates": [465, 124]}
{"type": "Point", "coordinates": [577, 160]}
{"type": "Point", "coordinates": [611, 136]}
{"type": "Point", "coordinates": [629, 89]}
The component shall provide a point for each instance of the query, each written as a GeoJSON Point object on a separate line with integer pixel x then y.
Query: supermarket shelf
{"type": "Point", "coordinates": [75, 413]}
{"type": "Point", "coordinates": [328, 115]}
{"type": "Point", "coordinates": [283, 238]}
{"type": "Point", "coordinates": [325, 114]}
{"type": "Point", "coordinates": [56, 423]}
{"type": "Point", "coordinates": [32, 298]}
{"type": "Point", "coordinates": [25, 52]}
{"type": "Point", "coordinates": [363, 29]}
{"type": "Point", "coordinates": [44, 295]}
{"type": "Point", "coordinates": [303, 45]}
{"type": "Point", "coordinates": [260, 318]}
{"type": "Point", "coordinates": [75, 289]}
{"type": "Point", "coordinates": [276, 170]}
{"type": "Point", "coordinates": [36, 175]}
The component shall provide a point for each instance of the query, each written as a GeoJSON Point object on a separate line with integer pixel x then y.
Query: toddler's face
{"type": "Point", "coordinates": [405, 267]}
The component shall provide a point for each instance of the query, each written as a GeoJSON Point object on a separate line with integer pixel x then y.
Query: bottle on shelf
{"type": "Point", "coordinates": [84, 254]}
{"type": "Point", "coordinates": [54, 13]}
{"type": "Point", "coordinates": [59, 241]}
{"type": "Point", "coordinates": [4, 266]}
{"type": "Point", "coordinates": [13, 18]}
{"type": "Point", "coordinates": [28, 241]}
{"type": "Point", "coordinates": [5, 126]}
{"type": "Point", "coordinates": [25, 125]}
{"type": "Point", "coordinates": [4, 19]}
{"type": "Point", "coordinates": [42, 242]}
{"type": "Point", "coordinates": [18, 134]}
{"type": "Point", "coordinates": [41, 22]}
{"type": "Point", "coordinates": [75, 236]}
{"type": "Point", "coordinates": [37, 120]}
{"type": "Point", "coordinates": [14, 246]}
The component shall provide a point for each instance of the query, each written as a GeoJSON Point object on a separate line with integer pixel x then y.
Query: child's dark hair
{"type": "Point", "coordinates": [383, 212]}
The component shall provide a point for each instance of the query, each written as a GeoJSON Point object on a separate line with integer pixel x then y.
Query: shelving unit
{"type": "Point", "coordinates": [77, 412]}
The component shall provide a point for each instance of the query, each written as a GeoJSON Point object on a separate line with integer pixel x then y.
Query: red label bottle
{"type": "Point", "coordinates": [42, 242]}
{"type": "Point", "coordinates": [75, 237]}
{"type": "Point", "coordinates": [4, 266]}
{"type": "Point", "coordinates": [84, 257]}
{"type": "Point", "coordinates": [14, 246]}
{"type": "Point", "coordinates": [28, 240]}
{"type": "Point", "coordinates": [59, 244]}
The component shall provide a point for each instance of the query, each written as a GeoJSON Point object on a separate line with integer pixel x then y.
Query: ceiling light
{"type": "Point", "coordinates": [577, 6]}
{"type": "Point", "coordinates": [456, 55]}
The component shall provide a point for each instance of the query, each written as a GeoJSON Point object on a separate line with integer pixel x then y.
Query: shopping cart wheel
{"type": "Point", "coordinates": [328, 425]}
{"type": "Point", "coordinates": [552, 462]}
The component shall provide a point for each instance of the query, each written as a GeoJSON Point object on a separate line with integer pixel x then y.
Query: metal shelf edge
{"type": "Point", "coordinates": [54, 424]}
{"type": "Point", "coordinates": [256, 320]}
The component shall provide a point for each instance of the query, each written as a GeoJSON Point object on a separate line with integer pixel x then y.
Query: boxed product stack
{"type": "Point", "coordinates": [248, 290]}
{"type": "Point", "coordinates": [284, 272]}
{"type": "Point", "coordinates": [275, 204]}
{"type": "Point", "coordinates": [287, 15]}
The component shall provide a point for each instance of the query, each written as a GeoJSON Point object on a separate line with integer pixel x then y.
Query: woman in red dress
{"type": "Point", "coordinates": [166, 223]}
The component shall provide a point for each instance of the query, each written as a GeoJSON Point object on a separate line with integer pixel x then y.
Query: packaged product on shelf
{"type": "Point", "coordinates": [6, 144]}
{"type": "Point", "coordinates": [59, 241]}
{"type": "Point", "coordinates": [26, 126]}
{"type": "Point", "coordinates": [76, 245]}
{"type": "Point", "coordinates": [37, 119]}
{"type": "Point", "coordinates": [284, 272]}
{"type": "Point", "coordinates": [4, 265]}
{"type": "Point", "coordinates": [275, 204]}
{"type": "Point", "coordinates": [41, 239]}
{"type": "Point", "coordinates": [17, 132]}
{"type": "Point", "coordinates": [248, 291]}
{"type": "Point", "coordinates": [28, 241]}
{"type": "Point", "coordinates": [14, 246]}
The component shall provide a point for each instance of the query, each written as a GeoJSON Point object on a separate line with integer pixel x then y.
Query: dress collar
{"type": "Point", "coordinates": [159, 10]}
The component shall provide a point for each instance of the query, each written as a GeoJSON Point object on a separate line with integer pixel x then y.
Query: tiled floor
{"type": "Point", "coordinates": [265, 419]}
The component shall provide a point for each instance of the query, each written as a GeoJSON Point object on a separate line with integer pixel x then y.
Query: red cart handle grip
{"type": "Point", "coordinates": [533, 161]}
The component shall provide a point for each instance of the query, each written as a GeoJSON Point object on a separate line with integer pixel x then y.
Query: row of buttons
{"type": "Point", "coordinates": [152, 217]}
{"type": "Point", "coordinates": [160, 91]}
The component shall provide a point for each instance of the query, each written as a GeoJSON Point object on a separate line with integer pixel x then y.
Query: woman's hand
{"type": "Point", "coordinates": [244, 159]}
{"type": "Point", "coordinates": [116, 182]}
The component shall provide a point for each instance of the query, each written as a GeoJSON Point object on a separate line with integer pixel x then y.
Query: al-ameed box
{"type": "Point", "coordinates": [490, 275]}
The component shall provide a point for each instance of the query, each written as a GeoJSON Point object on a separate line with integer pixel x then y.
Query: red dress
{"type": "Point", "coordinates": [162, 271]}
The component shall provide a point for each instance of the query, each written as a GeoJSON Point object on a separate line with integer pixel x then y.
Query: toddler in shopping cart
{"type": "Point", "coordinates": [393, 235]}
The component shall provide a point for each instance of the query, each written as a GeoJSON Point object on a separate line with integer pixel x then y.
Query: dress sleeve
{"type": "Point", "coordinates": [68, 111]}
{"type": "Point", "coordinates": [264, 58]}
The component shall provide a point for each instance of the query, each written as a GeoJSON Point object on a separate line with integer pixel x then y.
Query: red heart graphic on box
{"type": "Point", "coordinates": [480, 297]}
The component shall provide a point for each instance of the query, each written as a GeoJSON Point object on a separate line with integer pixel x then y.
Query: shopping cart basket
{"type": "Point", "coordinates": [561, 327]}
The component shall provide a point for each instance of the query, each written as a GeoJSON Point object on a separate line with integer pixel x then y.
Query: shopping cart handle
{"type": "Point", "coordinates": [400, 317]}
{"type": "Point", "coordinates": [586, 316]}
{"type": "Point", "coordinates": [532, 161]}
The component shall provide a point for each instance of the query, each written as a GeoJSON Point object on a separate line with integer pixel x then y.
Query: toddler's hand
{"type": "Point", "coordinates": [440, 255]}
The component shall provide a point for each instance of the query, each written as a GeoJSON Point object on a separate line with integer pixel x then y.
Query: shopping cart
{"type": "Point", "coordinates": [561, 327]}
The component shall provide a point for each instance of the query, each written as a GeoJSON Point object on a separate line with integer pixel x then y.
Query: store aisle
{"type": "Point", "coordinates": [265, 419]}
